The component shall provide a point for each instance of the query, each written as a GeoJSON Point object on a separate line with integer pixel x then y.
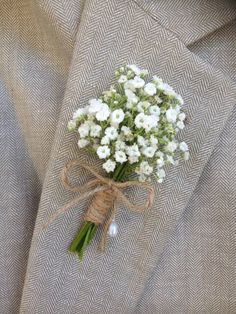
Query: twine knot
{"type": "Point", "coordinates": [106, 194]}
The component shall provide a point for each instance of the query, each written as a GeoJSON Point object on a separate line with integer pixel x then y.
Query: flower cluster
{"type": "Point", "coordinates": [134, 123]}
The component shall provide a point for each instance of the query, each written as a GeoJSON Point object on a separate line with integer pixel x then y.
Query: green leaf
{"type": "Point", "coordinates": [79, 236]}
{"type": "Point", "coordinates": [81, 252]}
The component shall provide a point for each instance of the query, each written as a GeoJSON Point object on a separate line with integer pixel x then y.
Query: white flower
{"type": "Point", "coordinates": [140, 120]}
{"type": "Point", "coordinates": [160, 162]}
{"type": "Point", "coordinates": [109, 165]}
{"type": "Point", "coordinates": [171, 115]}
{"type": "Point", "coordinates": [133, 159]}
{"type": "Point", "coordinates": [180, 125]}
{"type": "Point", "coordinates": [155, 110]}
{"type": "Point", "coordinates": [95, 130]}
{"type": "Point", "coordinates": [131, 97]}
{"type": "Point", "coordinates": [183, 146]}
{"type": "Point", "coordinates": [161, 175]}
{"type": "Point", "coordinates": [84, 129]}
{"type": "Point", "coordinates": [94, 106]}
{"type": "Point", "coordinates": [117, 116]}
{"type": "Point", "coordinates": [180, 100]}
{"type": "Point", "coordinates": [133, 150]}
{"type": "Point", "coordinates": [142, 177]}
{"type": "Point", "coordinates": [186, 155]}
{"type": "Point", "coordinates": [82, 143]}
{"type": "Point", "coordinates": [159, 154]}
{"type": "Point", "coordinates": [103, 113]}
{"type": "Point", "coordinates": [122, 79]}
{"type": "Point", "coordinates": [171, 147]}
{"type": "Point", "coordinates": [120, 156]}
{"type": "Point", "coordinates": [153, 141]}
{"type": "Point", "coordinates": [168, 90]}
{"type": "Point", "coordinates": [141, 141]}
{"type": "Point", "coordinates": [144, 72]}
{"type": "Point", "coordinates": [157, 79]}
{"type": "Point", "coordinates": [126, 130]}
{"type": "Point", "coordinates": [71, 125]}
{"type": "Point", "coordinates": [111, 133]}
{"type": "Point", "coordinates": [103, 151]}
{"type": "Point", "coordinates": [148, 151]}
{"type": "Point", "coordinates": [120, 145]}
{"type": "Point", "coordinates": [145, 168]}
{"type": "Point", "coordinates": [177, 108]}
{"type": "Point", "coordinates": [182, 116]}
{"type": "Point", "coordinates": [150, 122]}
{"type": "Point", "coordinates": [150, 89]}
{"type": "Point", "coordinates": [129, 85]}
{"type": "Point", "coordinates": [143, 105]}
{"type": "Point", "coordinates": [170, 159]}
{"type": "Point", "coordinates": [79, 112]}
{"type": "Point", "coordinates": [134, 68]}
{"type": "Point", "coordinates": [105, 140]}
{"type": "Point", "coordinates": [138, 82]}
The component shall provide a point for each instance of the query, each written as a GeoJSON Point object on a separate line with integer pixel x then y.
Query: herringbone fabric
{"type": "Point", "coordinates": [178, 258]}
{"type": "Point", "coordinates": [36, 43]}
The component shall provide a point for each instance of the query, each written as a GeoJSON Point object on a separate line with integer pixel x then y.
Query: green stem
{"type": "Point", "coordinates": [88, 229]}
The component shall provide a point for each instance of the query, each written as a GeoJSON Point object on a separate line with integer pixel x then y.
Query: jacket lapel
{"type": "Point", "coordinates": [115, 280]}
{"type": "Point", "coordinates": [192, 20]}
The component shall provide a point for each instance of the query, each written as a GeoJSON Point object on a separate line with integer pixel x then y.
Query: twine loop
{"type": "Point", "coordinates": [106, 194]}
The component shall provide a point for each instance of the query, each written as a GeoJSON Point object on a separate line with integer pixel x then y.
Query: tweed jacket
{"type": "Point", "coordinates": [180, 256]}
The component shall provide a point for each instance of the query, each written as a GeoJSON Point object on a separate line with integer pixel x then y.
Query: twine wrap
{"type": "Point", "coordinates": [107, 193]}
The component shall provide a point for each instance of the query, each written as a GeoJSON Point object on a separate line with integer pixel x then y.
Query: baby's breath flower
{"type": "Point", "coordinates": [120, 156]}
{"type": "Point", "coordinates": [150, 89]}
{"type": "Point", "coordinates": [141, 141]}
{"type": "Point", "coordinates": [71, 125]}
{"type": "Point", "coordinates": [95, 105]}
{"type": "Point", "coordinates": [134, 122]}
{"type": "Point", "coordinates": [132, 98]}
{"type": "Point", "coordinates": [105, 140]}
{"type": "Point", "coordinates": [111, 133]}
{"type": "Point", "coordinates": [144, 168]}
{"type": "Point", "coordinates": [109, 166]}
{"type": "Point", "coordinates": [103, 113]}
{"type": "Point", "coordinates": [95, 130]}
{"type": "Point", "coordinates": [134, 68]}
{"type": "Point", "coordinates": [182, 116]}
{"type": "Point", "coordinates": [171, 115]}
{"type": "Point", "coordinates": [180, 125]}
{"type": "Point", "coordinates": [186, 155]}
{"type": "Point", "coordinates": [82, 143]}
{"type": "Point", "coordinates": [133, 150]}
{"type": "Point", "coordinates": [183, 146]}
{"type": "Point", "coordinates": [160, 175]}
{"type": "Point", "coordinates": [84, 129]}
{"type": "Point", "coordinates": [171, 147]}
{"type": "Point", "coordinates": [122, 79]}
{"type": "Point", "coordinates": [142, 106]}
{"type": "Point", "coordinates": [140, 120]}
{"type": "Point", "coordinates": [138, 82]}
{"type": "Point", "coordinates": [157, 79]}
{"type": "Point", "coordinates": [155, 110]}
{"type": "Point", "coordinates": [120, 145]}
{"type": "Point", "coordinates": [149, 151]}
{"type": "Point", "coordinates": [117, 116]}
{"type": "Point", "coordinates": [103, 152]}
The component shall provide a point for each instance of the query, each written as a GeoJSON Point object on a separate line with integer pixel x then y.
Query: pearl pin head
{"type": "Point", "coordinates": [113, 229]}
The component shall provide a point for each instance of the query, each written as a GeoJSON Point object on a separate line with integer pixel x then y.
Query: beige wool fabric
{"type": "Point", "coordinates": [180, 256]}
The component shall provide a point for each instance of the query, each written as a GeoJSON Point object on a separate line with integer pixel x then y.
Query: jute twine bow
{"type": "Point", "coordinates": [107, 194]}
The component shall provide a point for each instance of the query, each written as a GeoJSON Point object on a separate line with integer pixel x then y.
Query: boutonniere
{"type": "Point", "coordinates": [132, 128]}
